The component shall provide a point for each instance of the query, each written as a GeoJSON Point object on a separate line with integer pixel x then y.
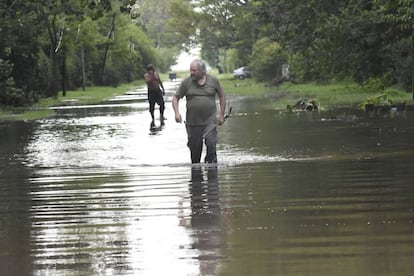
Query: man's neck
{"type": "Point", "coordinates": [203, 80]}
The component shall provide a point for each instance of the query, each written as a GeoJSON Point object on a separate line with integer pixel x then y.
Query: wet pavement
{"type": "Point", "coordinates": [97, 191]}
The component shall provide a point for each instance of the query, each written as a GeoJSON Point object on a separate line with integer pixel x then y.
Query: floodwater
{"type": "Point", "coordinates": [96, 191]}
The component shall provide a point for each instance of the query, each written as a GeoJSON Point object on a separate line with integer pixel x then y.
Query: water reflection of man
{"type": "Point", "coordinates": [200, 90]}
{"type": "Point", "coordinates": [206, 218]}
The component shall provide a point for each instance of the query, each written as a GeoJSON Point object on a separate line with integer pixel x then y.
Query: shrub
{"type": "Point", "coordinates": [12, 96]}
{"type": "Point", "coordinates": [267, 60]}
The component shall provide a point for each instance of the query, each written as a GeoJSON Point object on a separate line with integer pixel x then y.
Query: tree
{"type": "Point", "coordinates": [153, 16]}
{"type": "Point", "coordinates": [401, 16]}
{"type": "Point", "coordinates": [131, 51]}
{"type": "Point", "coordinates": [169, 25]}
{"type": "Point", "coordinates": [216, 27]}
{"type": "Point", "coordinates": [267, 60]}
{"type": "Point", "coordinates": [48, 45]}
{"type": "Point", "coordinates": [182, 24]}
{"type": "Point", "coordinates": [59, 19]}
{"type": "Point", "coordinates": [329, 39]}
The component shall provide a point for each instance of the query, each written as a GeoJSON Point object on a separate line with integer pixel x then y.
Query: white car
{"type": "Point", "coordinates": [241, 73]}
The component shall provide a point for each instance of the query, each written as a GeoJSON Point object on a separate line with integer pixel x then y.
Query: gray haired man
{"type": "Point", "coordinates": [200, 90]}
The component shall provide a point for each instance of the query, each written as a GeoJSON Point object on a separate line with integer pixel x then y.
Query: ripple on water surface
{"type": "Point", "coordinates": [102, 193]}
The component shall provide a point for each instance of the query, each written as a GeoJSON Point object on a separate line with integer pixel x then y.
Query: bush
{"type": "Point", "coordinates": [380, 83]}
{"type": "Point", "coordinates": [267, 60]}
{"type": "Point", "coordinates": [112, 76]}
{"type": "Point", "coordinates": [165, 57]}
{"type": "Point", "coordinates": [12, 96]}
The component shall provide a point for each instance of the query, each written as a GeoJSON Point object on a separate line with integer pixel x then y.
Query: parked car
{"type": "Point", "coordinates": [241, 73]}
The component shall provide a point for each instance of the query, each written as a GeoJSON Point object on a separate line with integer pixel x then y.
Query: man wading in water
{"type": "Point", "coordinates": [156, 91]}
{"type": "Point", "coordinates": [200, 90]}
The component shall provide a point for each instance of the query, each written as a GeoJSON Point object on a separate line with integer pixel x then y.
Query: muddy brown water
{"type": "Point", "coordinates": [96, 191]}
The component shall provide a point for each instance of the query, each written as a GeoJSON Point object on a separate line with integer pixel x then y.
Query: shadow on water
{"type": "Point", "coordinates": [97, 190]}
{"type": "Point", "coordinates": [15, 200]}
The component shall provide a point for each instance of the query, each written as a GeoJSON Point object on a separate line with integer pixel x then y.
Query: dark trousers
{"type": "Point", "coordinates": [155, 97]}
{"type": "Point", "coordinates": [195, 143]}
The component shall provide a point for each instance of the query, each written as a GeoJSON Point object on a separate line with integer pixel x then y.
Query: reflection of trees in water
{"type": "Point", "coordinates": [206, 217]}
{"type": "Point", "coordinates": [15, 198]}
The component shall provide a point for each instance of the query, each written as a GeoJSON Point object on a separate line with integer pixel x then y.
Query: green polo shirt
{"type": "Point", "coordinates": [201, 100]}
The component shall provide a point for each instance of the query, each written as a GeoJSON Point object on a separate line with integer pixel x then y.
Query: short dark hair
{"type": "Point", "coordinates": [150, 67]}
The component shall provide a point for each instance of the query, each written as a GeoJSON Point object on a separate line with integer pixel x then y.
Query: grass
{"type": "Point", "coordinates": [92, 95]}
{"type": "Point", "coordinates": [246, 87]}
{"type": "Point", "coordinates": [339, 94]}
{"type": "Point", "coordinates": [343, 94]}
{"type": "Point", "coordinates": [24, 113]}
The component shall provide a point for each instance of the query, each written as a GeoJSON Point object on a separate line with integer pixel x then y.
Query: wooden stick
{"type": "Point", "coordinates": [216, 125]}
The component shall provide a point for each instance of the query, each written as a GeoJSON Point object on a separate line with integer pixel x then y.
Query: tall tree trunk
{"type": "Point", "coordinates": [63, 71]}
{"type": "Point", "coordinates": [83, 69]}
{"type": "Point", "coordinates": [53, 78]}
{"type": "Point", "coordinates": [111, 30]}
{"type": "Point", "coordinates": [54, 70]}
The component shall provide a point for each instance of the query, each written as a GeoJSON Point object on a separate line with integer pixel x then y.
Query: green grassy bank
{"type": "Point", "coordinates": [92, 95]}
{"type": "Point", "coordinates": [327, 95]}
{"type": "Point", "coordinates": [331, 95]}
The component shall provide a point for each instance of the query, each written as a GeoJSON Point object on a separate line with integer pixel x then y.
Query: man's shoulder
{"type": "Point", "coordinates": [184, 86]}
{"type": "Point", "coordinates": [187, 81]}
{"type": "Point", "coordinates": [213, 79]}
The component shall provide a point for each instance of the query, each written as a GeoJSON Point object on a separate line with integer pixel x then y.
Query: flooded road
{"type": "Point", "coordinates": [97, 191]}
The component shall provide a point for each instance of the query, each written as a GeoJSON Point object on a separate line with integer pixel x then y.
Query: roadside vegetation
{"type": "Point", "coordinates": [41, 109]}
{"type": "Point", "coordinates": [340, 52]}
{"type": "Point", "coordinates": [330, 95]}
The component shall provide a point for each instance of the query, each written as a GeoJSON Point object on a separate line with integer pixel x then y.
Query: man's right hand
{"type": "Point", "coordinates": [175, 101]}
{"type": "Point", "coordinates": [178, 118]}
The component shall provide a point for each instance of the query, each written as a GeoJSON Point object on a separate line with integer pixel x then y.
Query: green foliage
{"type": "Point", "coordinates": [216, 23]}
{"type": "Point", "coordinates": [389, 97]}
{"type": "Point", "coordinates": [12, 96]}
{"type": "Point", "coordinates": [370, 42]}
{"type": "Point", "coordinates": [49, 46]}
{"type": "Point", "coordinates": [224, 25]}
{"type": "Point", "coordinates": [267, 59]}
{"type": "Point", "coordinates": [181, 25]}
{"type": "Point", "coordinates": [165, 57]}
{"type": "Point", "coordinates": [359, 39]}
{"type": "Point", "coordinates": [130, 53]}
{"type": "Point", "coordinates": [379, 83]}
{"type": "Point", "coordinates": [232, 60]}
{"type": "Point", "coordinates": [247, 87]}
{"type": "Point", "coordinates": [381, 99]}
{"type": "Point", "coordinates": [6, 67]}
{"type": "Point", "coordinates": [18, 48]}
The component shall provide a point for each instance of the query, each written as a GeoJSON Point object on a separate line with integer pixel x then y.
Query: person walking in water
{"type": "Point", "coordinates": [200, 90]}
{"type": "Point", "coordinates": [156, 91]}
